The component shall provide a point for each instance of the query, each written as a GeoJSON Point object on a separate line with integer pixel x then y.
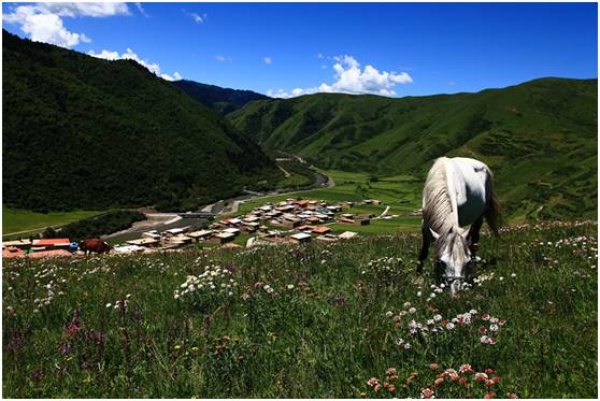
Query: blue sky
{"type": "Point", "coordinates": [291, 49]}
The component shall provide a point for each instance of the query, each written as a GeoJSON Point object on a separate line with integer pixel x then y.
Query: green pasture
{"type": "Point", "coordinates": [16, 223]}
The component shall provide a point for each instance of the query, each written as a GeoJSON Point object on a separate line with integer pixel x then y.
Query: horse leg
{"type": "Point", "coordinates": [424, 250]}
{"type": "Point", "coordinates": [474, 236]}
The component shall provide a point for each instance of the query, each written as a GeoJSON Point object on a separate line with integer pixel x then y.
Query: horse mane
{"type": "Point", "coordinates": [439, 211]}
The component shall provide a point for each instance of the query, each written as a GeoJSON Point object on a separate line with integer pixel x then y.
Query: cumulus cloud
{"type": "Point", "coordinates": [131, 55]}
{"type": "Point", "coordinates": [43, 22]}
{"type": "Point", "coordinates": [350, 78]}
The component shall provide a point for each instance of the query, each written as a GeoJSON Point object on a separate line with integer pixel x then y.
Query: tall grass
{"type": "Point", "coordinates": [310, 321]}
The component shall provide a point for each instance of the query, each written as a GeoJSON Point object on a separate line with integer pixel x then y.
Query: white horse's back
{"type": "Point", "coordinates": [458, 192]}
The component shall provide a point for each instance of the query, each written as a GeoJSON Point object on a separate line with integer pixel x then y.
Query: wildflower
{"type": "Point", "coordinates": [482, 330]}
{"type": "Point", "coordinates": [377, 387]}
{"type": "Point", "coordinates": [480, 376]}
{"type": "Point", "coordinates": [434, 366]}
{"type": "Point", "coordinates": [392, 388]}
{"type": "Point", "coordinates": [412, 310]}
{"type": "Point", "coordinates": [466, 368]}
{"type": "Point", "coordinates": [108, 305]}
{"type": "Point", "coordinates": [427, 393]}
{"type": "Point", "coordinates": [363, 394]}
{"type": "Point", "coordinates": [488, 395]}
{"type": "Point", "coordinates": [494, 327]}
{"type": "Point", "coordinates": [438, 381]}
{"type": "Point", "coordinates": [373, 381]}
{"type": "Point", "coordinates": [449, 326]}
{"type": "Point", "coordinates": [437, 318]}
{"type": "Point", "coordinates": [290, 286]}
{"type": "Point", "coordinates": [485, 316]}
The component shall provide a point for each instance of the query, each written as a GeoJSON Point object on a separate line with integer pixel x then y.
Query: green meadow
{"type": "Point", "coordinates": [22, 223]}
{"type": "Point", "coordinates": [344, 320]}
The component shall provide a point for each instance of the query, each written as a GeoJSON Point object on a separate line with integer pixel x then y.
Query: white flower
{"type": "Point", "coordinates": [108, 305]}
{"type": "Point", "coordinates": [412, 310]}
{"type": "Point", "coordinates": [449, 326]}
{"type": "Point", "coordinates": [290, 286]}
{"type": "Point", "coordinates": [494, 327]}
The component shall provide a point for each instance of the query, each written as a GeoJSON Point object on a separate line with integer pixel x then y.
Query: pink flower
{"type": "Point", "coordinates": [480, 376]}
{"type": "Point", "coordinates": [392, 388]}
{"type": "Point", "coordinates": [489, 395]}
{"type": "Point", "coordinates": [377, 387]}
{"type": "Point", "coordinates": [434, 366]}
{"type": "Point", "coordinates": [482, 330]}
{"type": "Point", "coordinates": [466, 368]}
{"type": "Point", "coordinates": [485, 316]}
{"type": "Point", "coordinates": [426, 393]}
{"type": "Point", "coordinates": [373, 381]}
{"type": "Point", "coordinates": [489, 371]}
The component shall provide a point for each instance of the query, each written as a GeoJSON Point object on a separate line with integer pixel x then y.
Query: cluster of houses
{"type": "Point", "coordinates": [38, 248]}
{"type": "Point", "coordinates": [289, 221]}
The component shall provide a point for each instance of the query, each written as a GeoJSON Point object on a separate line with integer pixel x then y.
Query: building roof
{"type": "Point", "coordinates": [51, 241]}
{"type": "Point", "coordinates": [12, 252]}
{"type": "Point", "coordinates": [19, 242]}
{"type": "Point", "coordinates": [50, 254]}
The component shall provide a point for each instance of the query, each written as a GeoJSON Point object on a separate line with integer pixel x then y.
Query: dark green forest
{"type": "Point", "coordinates": [81, 132]}
{"type": "Point", "coordinates": [221, 100]}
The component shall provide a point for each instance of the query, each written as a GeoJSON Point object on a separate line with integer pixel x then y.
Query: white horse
{"type": "Point", "coordinates": [458, 192]}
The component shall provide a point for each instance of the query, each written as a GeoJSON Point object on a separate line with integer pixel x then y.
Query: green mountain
{"type": "Point", "coordinates": [221, 100]}
{"type": "Point", "coordinates": [540, 137]}
{"type": "Point", "coordinates": [81, 132]}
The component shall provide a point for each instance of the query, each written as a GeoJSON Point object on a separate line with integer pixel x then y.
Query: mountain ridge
{"type": "Point", "coordinates": [529, 134]}
{"type": "Point", "coordinates": [82, 132]}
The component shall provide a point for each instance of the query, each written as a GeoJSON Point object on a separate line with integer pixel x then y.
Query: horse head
{"type": "Point", "coordinates": [453, 259]}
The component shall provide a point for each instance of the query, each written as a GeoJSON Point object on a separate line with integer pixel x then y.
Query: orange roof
{"type": "Point", "coordinates": [321, 229]}
{"type": "Point", "coordinates": [51, 241]}
{"type": "Point", "coordinates": [53, 253]}
{"type": "Point", "coordinates": [12, 252]}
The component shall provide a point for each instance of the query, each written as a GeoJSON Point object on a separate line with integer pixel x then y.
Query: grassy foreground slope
{"type": "Point", "coordinates": [311, 321]}
{"type": "Point", "coordinates": [540, 138]}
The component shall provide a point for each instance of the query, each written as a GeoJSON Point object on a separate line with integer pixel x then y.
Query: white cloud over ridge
{"type": "Point", "coordinates": [43, 22]}
{"type": "Point", "coordinates": [130, 55]}
{"type": "Point", "coordinates": [351, 79]}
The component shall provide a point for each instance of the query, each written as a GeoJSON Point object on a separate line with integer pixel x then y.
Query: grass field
{"type": "Point", "coordinates": [311, 321]}
{"type": "Point", "coordinates": [24, 223]}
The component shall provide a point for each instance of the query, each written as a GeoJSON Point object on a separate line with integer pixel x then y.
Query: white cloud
{"type": "Point", "coordinates": [350, 78]}
{"type": "Point", "coordinates": [222, 59]}
{"type": "Point", "coordinates": [130, 55]}
{"type": "Point", "coordinates": [43, 22]}
{"type": "Point", "coordinates": [198, 18]}
{"type": "Point", "coordinates": [268, 60]}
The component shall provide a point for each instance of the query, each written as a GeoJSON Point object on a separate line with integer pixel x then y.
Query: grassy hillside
{"type": "Point", "coordinates": [310, 321]}
{"type": "Point", "coordinates": [540, 138]}
{"type": "Point", "coordinates": [92, 134]}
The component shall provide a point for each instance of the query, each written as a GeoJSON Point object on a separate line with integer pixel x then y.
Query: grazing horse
{"type": "Point", "coordinates": [458, 192]}
{"type": "Point", "coordinates": [94, 245]}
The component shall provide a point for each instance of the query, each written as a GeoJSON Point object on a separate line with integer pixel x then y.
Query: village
{"type": "Point", "coordinates": [291, 221]}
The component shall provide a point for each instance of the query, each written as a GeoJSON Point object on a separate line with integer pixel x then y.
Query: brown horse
{"type": "Point", "coordinates": [94, 245]}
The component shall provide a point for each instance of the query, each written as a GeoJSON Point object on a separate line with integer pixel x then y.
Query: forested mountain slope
{"type": "Point", "coordinates": [81, 132]}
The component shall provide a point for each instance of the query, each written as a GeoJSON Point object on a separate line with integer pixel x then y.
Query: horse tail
{"type": "Point", "coordinates": [493, 213]}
